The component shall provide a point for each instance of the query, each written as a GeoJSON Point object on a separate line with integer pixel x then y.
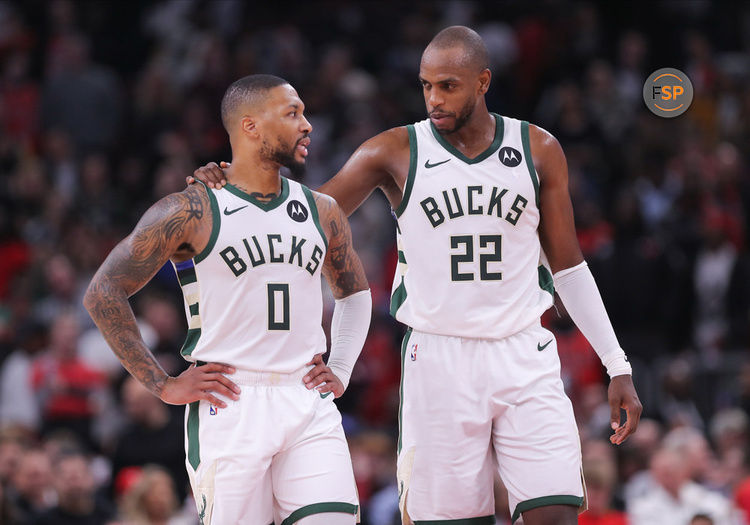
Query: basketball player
{"type": "Point", "coordinates": [485, 236]}
{"type": "Point", "coordinates": [266, 446]}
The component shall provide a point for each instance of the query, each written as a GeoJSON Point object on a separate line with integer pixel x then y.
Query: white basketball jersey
{"type": "Point", "coordinates": [253, 297]}
{"type": "Point", "coordinates": [470, 261]}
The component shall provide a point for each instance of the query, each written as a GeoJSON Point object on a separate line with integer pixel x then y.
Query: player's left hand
{"type": "Point", "coordinates": [211, 174]}
{"type": "Point", "coordinates": [321, 375]}
{"type": "Point", "coordinates": [622, 395]}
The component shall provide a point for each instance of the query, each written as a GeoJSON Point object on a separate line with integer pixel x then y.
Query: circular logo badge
{"type": "Point", "coordinates": [511, 157]}
{"type": "Point", "coordinates": [297, 211]}
{"type": "Point", "coordinates": [668, 92]}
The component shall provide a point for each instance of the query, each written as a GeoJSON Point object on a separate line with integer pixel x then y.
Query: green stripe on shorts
{"type": "Point", "coordinates": [544, 501]}
{"type": "Point", "coordinates": [194, 448]}
{"type": "Point", "coordinates": [401, 386]}
{"type": "Point", "coordinates": [319, 508]}
{"type": "Point", "coordinates": [481, 520]}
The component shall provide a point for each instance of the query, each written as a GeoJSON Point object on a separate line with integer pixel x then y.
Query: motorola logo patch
{"type": "Point", "coordinates": [297, 211]}
{"type": "Point", "coordinates": [511, 157]}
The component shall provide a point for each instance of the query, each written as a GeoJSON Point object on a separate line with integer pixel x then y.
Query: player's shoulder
{"type": "Point", "coordinates": [193, 201]}
{"type": "Point", "coordinates": [388, 142]}
{"type": "Point", "coordinates": [325, 203]}
{"type": "Point", "coordinates": [321, 199]}
{"type": "Point", "coordinates": [547, 154]}
{"type": "Point", "coordinates": [541, 139]}
{"type": "Point", "coordinates": [330, 214]}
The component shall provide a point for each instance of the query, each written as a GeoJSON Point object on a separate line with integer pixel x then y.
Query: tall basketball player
{"type": "Point", "coordinates": [266, 446]}
{"type": "Point", "coordinates": [485, 236]}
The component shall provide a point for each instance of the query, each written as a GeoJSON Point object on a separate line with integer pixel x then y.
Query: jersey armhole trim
{"type": "Point", "coordinates": [529, 160]}
{"type": "Point", "coordinates": [215, 226]}
{"type": "Point", "coordinates": [314, 212]}
{"type": "Point", "coordinates": [412, 170]}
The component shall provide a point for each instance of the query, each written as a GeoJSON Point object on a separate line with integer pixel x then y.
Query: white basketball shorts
{"type": "Point", "coordinates": [473, 407]}
{"type": "Point", "coordinates": [276, 455]}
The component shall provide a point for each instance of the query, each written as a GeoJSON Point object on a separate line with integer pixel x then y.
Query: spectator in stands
{"type": "Point", "coordinates": [32, 492]}
{"type": "Point", "coordinates": [153, 435]}
{"type": "Point", "coordinates": [697, 457]}
{"type": "Point", "coordinates": [675, 498]}
{"type": "Point", "coordinates": [66, 388]}
{"type": "Point", "coordinates": [77, 502]}
{"type": "Point", "coordinates": [81, 97]}
{"type": "Point", "coordinates": [635, 460]}
{"type": "Point", "coordinates": [152, 500]}
{"type": "Point", "coordinates": [18, 406]}
{"type": "Point", "coordinates": [64, 292]}
{"type": "Point", "coordinates": [600, 474]}
{"type": "Point", "coordinates": [701, 519]}
{"type": "Point", "coordinates": [11, 451]}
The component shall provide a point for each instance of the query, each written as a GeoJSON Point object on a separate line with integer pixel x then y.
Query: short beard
{"type": "Point", "coordinates": [288, 161]}
{"type": "Point", "coordinates": [284, 155]}
{"type": "Point", "coordinates": [461, 118]}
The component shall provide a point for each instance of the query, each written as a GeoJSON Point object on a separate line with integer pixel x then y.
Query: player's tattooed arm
{"type": "Point", "coordinates": [164, 230]}
{"type": "Point", "coordinates": [342, 268]}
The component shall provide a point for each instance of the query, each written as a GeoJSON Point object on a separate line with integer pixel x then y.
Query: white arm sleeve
{"type": "Point", "coordinates": [579, 294]}
{"type": "Point", "coordinates": [351, 321]}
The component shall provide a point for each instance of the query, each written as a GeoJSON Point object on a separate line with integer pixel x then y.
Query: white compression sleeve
{"type": "Point", "coordinates": [349, 326]}
{"type": "Point", "coordinates": [579, 294]}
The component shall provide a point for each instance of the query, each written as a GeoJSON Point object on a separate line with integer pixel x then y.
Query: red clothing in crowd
{"type": "Point", "coordinates": [65, 387]}
{"type": "Point", "coordinates": [742, 498]}
{"type": "Point", "coordinates": [612, 517]}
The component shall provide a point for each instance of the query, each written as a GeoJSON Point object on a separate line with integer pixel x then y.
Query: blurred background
{"type": "Point", "coordinates": [106, 106]}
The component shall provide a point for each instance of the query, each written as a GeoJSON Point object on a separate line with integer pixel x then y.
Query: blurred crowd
{"type": "Point", "coordinates": [105, 107]}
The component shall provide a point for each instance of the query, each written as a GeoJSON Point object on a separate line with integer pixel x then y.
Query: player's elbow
{"type": "Point", "coordinates": [96, 295]}
{"type": "Point", "coordinates": [90, 298]}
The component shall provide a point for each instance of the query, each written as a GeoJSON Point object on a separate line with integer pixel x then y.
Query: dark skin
{"type": "Point", "coordinates": [176, 229]}
{"type": "Point", "coordinates": [451, 85]}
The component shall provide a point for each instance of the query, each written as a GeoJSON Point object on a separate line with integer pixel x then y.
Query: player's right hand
{"type": "Point", "coordinates": [212, 175]}
{"type": "Point", "coordinates": [201, 382]}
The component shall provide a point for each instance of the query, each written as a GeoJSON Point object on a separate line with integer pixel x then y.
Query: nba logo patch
{"type": "Point", "coordinates": [413, 353]}
{"type": "Point", "coordinates": [213, 410]}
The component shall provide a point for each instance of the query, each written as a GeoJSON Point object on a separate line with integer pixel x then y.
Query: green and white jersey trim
{"type": "Point", "coordinates": [469, 259]}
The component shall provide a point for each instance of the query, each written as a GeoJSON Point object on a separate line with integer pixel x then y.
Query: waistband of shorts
{"type": "Point", "coordinates": [258, 377]}
{"type": "Point", "coordinates": [534, 325]}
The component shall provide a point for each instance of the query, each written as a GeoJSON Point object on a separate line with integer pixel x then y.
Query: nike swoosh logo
{"type": "Point", "coordinates": [428, 165]}
{"type": "Point", "coordinates": [227, 212]}
{"type": "Point", "coordinates": [323, 396]}
{"type": "Point", "coordinates": [541, 347]}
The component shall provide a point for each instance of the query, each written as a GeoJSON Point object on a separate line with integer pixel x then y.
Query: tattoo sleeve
{"type": "Point", "coordinates": [342, 268]}
{"type": "Point", "coordinates": [165, 227]}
